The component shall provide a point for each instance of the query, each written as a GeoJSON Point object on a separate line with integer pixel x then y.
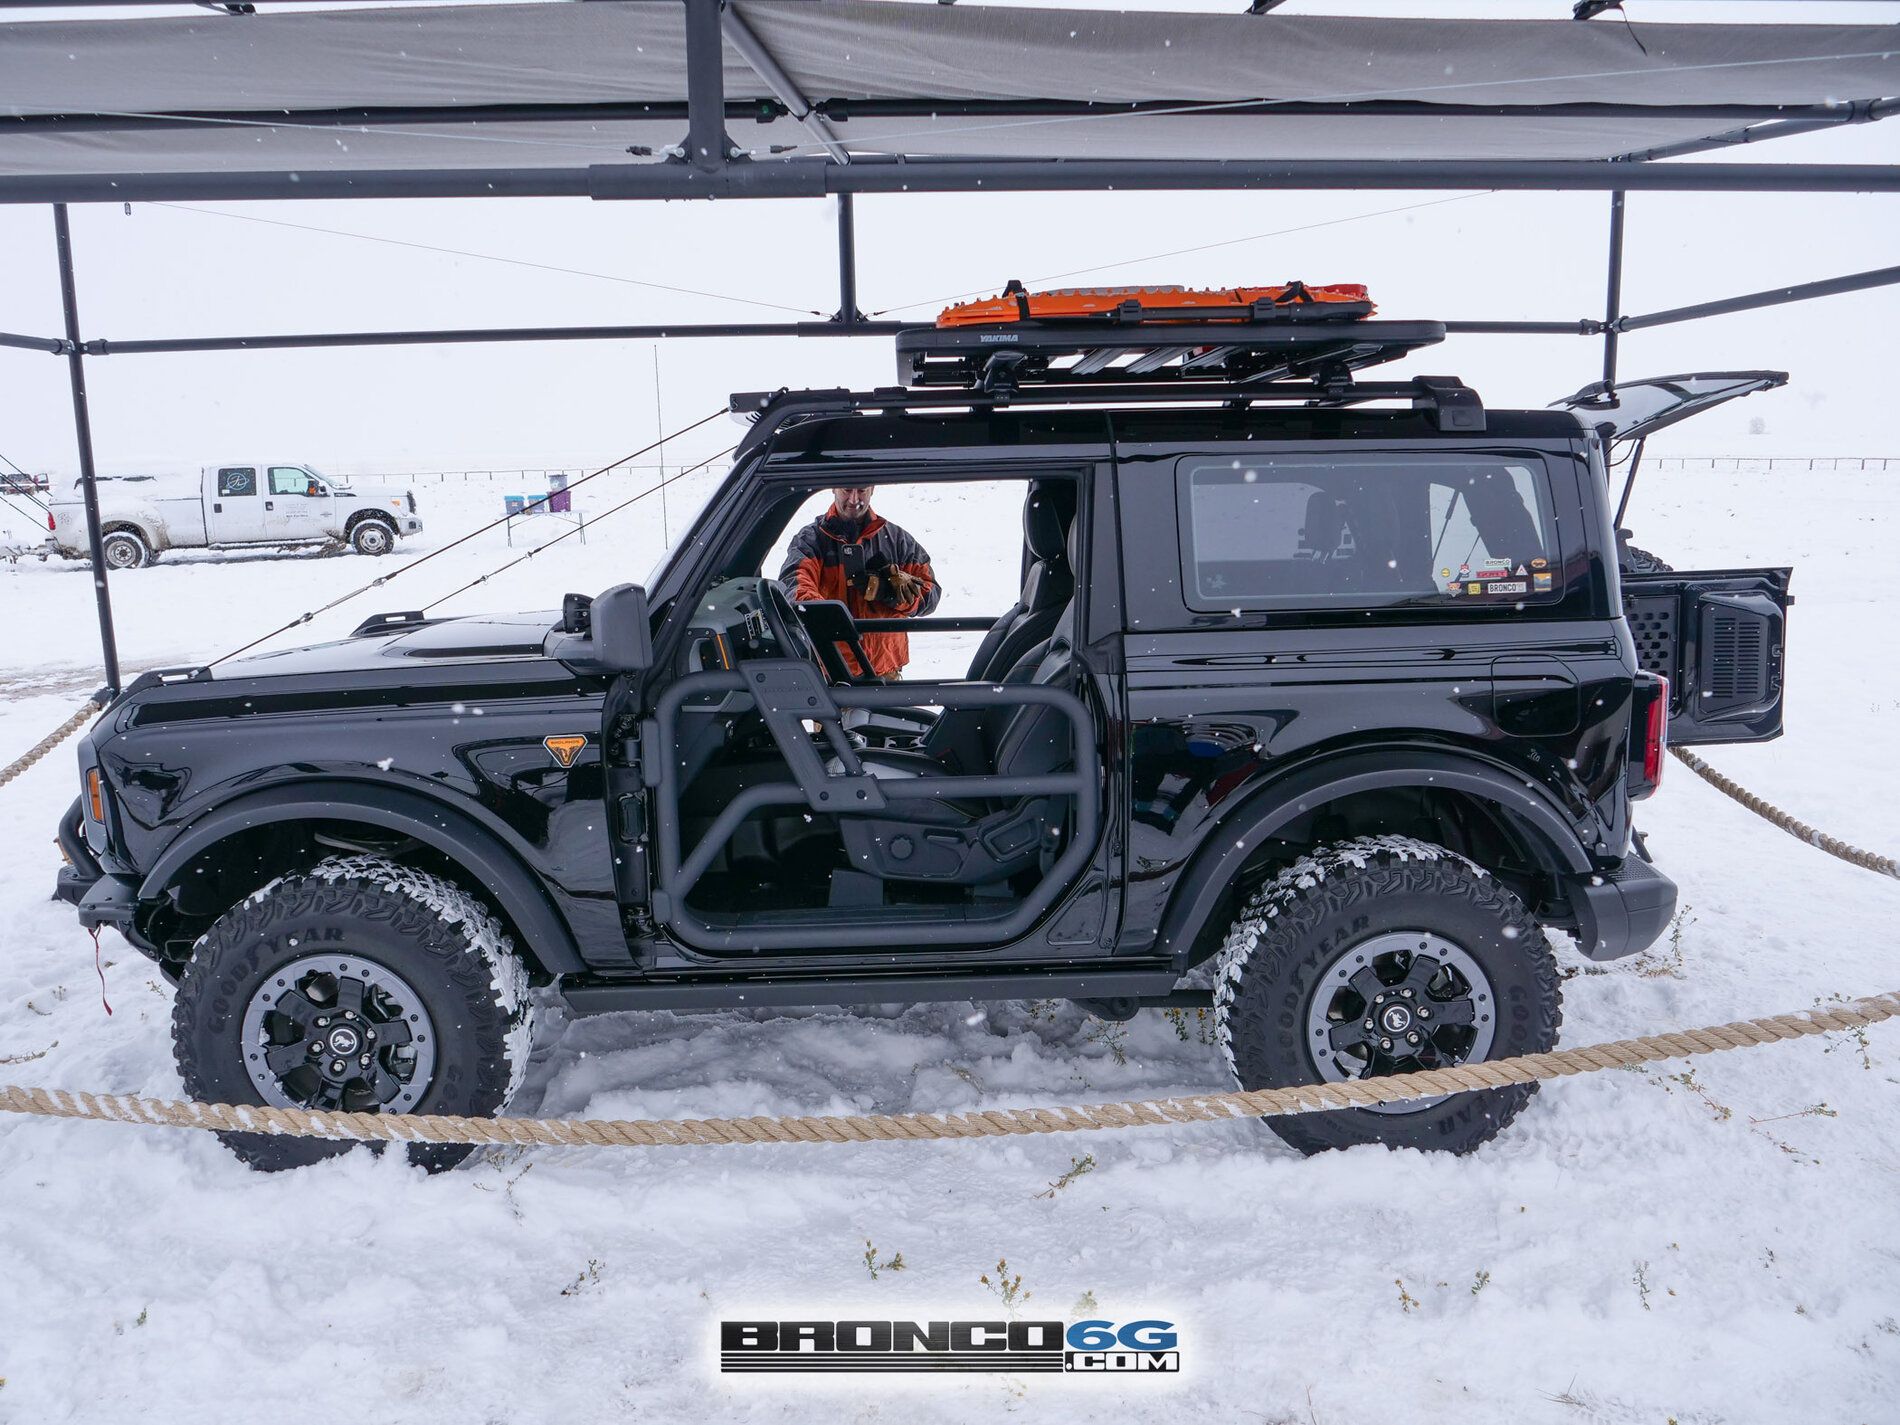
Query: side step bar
{"type": "Point", "coordinates": [592, 995]}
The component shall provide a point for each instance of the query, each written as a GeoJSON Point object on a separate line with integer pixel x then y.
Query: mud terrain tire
{"type": "Point", "coordinates": [1637, 560]}
{"type": "Point", "coordinates": [1298, 937]}
{"type": "Point", "coordinates": [448, 954]}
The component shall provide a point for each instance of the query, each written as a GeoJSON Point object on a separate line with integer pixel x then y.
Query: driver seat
{"type": "Point", "coordinates": [971, 842]}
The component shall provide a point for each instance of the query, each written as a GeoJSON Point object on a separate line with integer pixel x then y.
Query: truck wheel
{"type": "Point", "coordinates": [1641, 561]}
{"type": "Point", "coordinates": [372, 536]}
{"type": "Point", "coordinates": [1445, 965]}
{"type": "Point", "coordinates": [358, 985]}
{"type": "Point", "coordinates": [125, 549]}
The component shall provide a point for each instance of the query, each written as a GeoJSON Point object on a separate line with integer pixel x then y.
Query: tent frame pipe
{"type": "Point", "coordinates": [1773, 297]}
{"type": "Point", "coordinates": [820, 177]}
{"type": "Point", "coordinates": [1613, 296]}
{"type": "Point", "coordinates": [1757, 123]}
{"type": "Point", "coordinates": [861, 326]}
{"type": "Point", "coordinates": [82, 431]}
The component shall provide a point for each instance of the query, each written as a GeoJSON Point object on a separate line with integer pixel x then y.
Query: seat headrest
{"type": "Point", "coordinates": [1047, 513]}
{"type": "Point", "coordinates": [1325, 527]}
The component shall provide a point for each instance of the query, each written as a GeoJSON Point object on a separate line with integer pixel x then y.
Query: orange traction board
{"type": "Point", "coordinates": [1348, 299]}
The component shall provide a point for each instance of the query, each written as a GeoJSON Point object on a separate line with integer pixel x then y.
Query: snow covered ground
{"type": "Point", "coordinates": [1706, 1241]}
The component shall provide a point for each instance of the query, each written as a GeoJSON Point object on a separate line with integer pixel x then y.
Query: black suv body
{"type": "Point", "coordinates": [1258, 658]}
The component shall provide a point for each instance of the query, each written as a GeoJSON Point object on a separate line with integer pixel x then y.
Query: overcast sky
{"type": "Point", "coordinates": [203, 269]}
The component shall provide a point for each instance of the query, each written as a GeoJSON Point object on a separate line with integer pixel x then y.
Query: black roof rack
{"type": "Point", "coordinates": [1239, 356]}
{"type": "Point", "coordinates": [1447, 402]}
{"type": "Point", "coordinates": [1241, 346]}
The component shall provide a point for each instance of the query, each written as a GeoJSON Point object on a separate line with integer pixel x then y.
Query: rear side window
{"type": "Point", "coordinates": [1366, 530]}
{"type": "Point", "coordinates": [237, 480]}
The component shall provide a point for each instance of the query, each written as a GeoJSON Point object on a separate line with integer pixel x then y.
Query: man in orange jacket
{"type": "Point", "coordinates": [874, 567]}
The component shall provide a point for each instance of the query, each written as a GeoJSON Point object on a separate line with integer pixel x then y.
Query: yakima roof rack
{"type": "Point", "coordinates": [1214, 347]}
{"type": "Point", "coordinates": [1447, 402]}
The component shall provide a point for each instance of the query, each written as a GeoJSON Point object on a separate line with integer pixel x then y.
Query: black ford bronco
{"type": "Point", "coordinates": [1329, 693]}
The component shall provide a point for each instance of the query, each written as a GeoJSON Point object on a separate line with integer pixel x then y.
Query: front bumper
{"type": "Point", "coordinates": [1622, 912]}
{"type": "Point", "coordinates": [411, 524]}
{"type": "Point", "coordinates": [82, 868]}
{"type": "Point", "coordinates": [102, 899]}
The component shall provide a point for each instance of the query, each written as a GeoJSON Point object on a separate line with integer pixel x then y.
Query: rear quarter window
{"type": "Point", "coordinates": [1366, 530]}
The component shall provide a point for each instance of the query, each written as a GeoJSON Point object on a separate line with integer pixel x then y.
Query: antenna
{"type": "Point", "coordinates": [659, 423]}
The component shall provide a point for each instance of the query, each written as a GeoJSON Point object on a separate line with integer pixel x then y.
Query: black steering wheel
{"type": "Point", "coordinates": [788, 630]}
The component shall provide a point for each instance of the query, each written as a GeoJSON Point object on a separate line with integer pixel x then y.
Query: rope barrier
{"type": "Point", "coordinates": [925, 1127]}
{"type": "Point", "coordinates": [1775, 816]}
{"type": "Point", "coordinates": [52, 739]}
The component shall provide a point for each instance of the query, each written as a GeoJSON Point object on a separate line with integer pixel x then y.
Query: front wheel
{"type": "Point", "coordinates": [360, 985]}
{"type": "Point", "coordinates": [1377, 956]}
{"type": "Point", "coordinates": [372, 536]}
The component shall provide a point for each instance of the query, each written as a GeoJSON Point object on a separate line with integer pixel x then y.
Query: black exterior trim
{"type": "Point", "coordinates": [1622, 912]}
{"type": "Point", "coordinates": [549, 940]}
{"type": "Point", "coordinates": [603, 996]}
{"type": "Point", "coordinates": [1202, 891]}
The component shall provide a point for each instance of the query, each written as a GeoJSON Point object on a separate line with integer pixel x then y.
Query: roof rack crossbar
{"type": "Point", "coordinates": [1445, 400]}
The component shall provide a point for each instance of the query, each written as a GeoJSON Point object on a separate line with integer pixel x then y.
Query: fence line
{"type": "Point", "coordinates": [1764, 463]}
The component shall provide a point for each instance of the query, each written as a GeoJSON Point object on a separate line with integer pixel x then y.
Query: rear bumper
{"type": "Point", "coordinates": [1622, 912]}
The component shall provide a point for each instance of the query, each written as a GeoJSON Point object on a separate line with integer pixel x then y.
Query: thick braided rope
{"type": "Point", "coordinates": [1769, 812]}
{"type": "Point", "coordinates": [917, 1127]}
{"type": "Point", "coordinates": [46, 744]}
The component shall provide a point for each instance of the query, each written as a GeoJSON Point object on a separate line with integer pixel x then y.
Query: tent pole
{"type": "Point", "coordinates": [848, 312]}
{"type": "Point", "coordinates": [1774, 297]}
{"type": "Point", "coordinates": [1613, 299]}
{"type": "Point", "coordinates": [708, 146]}
{"type": "Point", "coordinates": [82, 428]}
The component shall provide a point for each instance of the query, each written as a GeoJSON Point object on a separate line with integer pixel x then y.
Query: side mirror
{"type": "Point", "coordinates": [608, 634]}
{"type": "Point", "coordinates": [623, 639]}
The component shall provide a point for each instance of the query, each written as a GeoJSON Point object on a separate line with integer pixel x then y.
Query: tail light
{"type": "Point", "coordinates": [1656, 734]}
{"type": "Point", "coordinates": [1652, 717]}
{"type": "Point", "coordinates": [51, 526]}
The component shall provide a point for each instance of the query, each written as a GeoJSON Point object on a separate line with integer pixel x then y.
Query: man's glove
{"type": "Point", "coordinates": [896, 588]}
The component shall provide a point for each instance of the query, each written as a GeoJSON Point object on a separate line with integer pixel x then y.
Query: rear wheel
{"type": "Point", "coordinates": [125, 549]}
{"type": "Point", "coordinates": [373, 536]}
{"type": "Point", "coordinates": [1383, 956]}
{"type": "Point", "coordinates": [360, 985]}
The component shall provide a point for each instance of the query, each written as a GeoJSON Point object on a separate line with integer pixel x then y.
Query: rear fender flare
{"type": "Point", "coordinates": [1238, 835]}
{"type": "Point", "coordinates": [493, 867]}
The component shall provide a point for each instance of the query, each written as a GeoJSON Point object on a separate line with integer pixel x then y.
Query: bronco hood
{"type": "Point", "coordinates": [404, 642]}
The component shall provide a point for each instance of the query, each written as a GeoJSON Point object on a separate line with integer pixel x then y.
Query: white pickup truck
{"type": "Point", "coordinates": [231, 505]}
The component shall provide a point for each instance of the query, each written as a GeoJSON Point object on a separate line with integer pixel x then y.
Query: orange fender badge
{"type": "Point", "coordinates": [566, 747]}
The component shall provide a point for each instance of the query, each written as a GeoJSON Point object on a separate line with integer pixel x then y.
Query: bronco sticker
{"type": "Point", "coordinates": [565, 747]}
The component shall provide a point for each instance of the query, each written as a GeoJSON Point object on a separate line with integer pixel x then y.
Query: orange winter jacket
{"type": "Point", "coordinates": [836, 558]}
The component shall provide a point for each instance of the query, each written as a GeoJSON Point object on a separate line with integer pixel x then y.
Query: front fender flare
{"type": "Point", "coordinates": [479, 851]}
{"type": "Point", "coordinates": [1269, 808]}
